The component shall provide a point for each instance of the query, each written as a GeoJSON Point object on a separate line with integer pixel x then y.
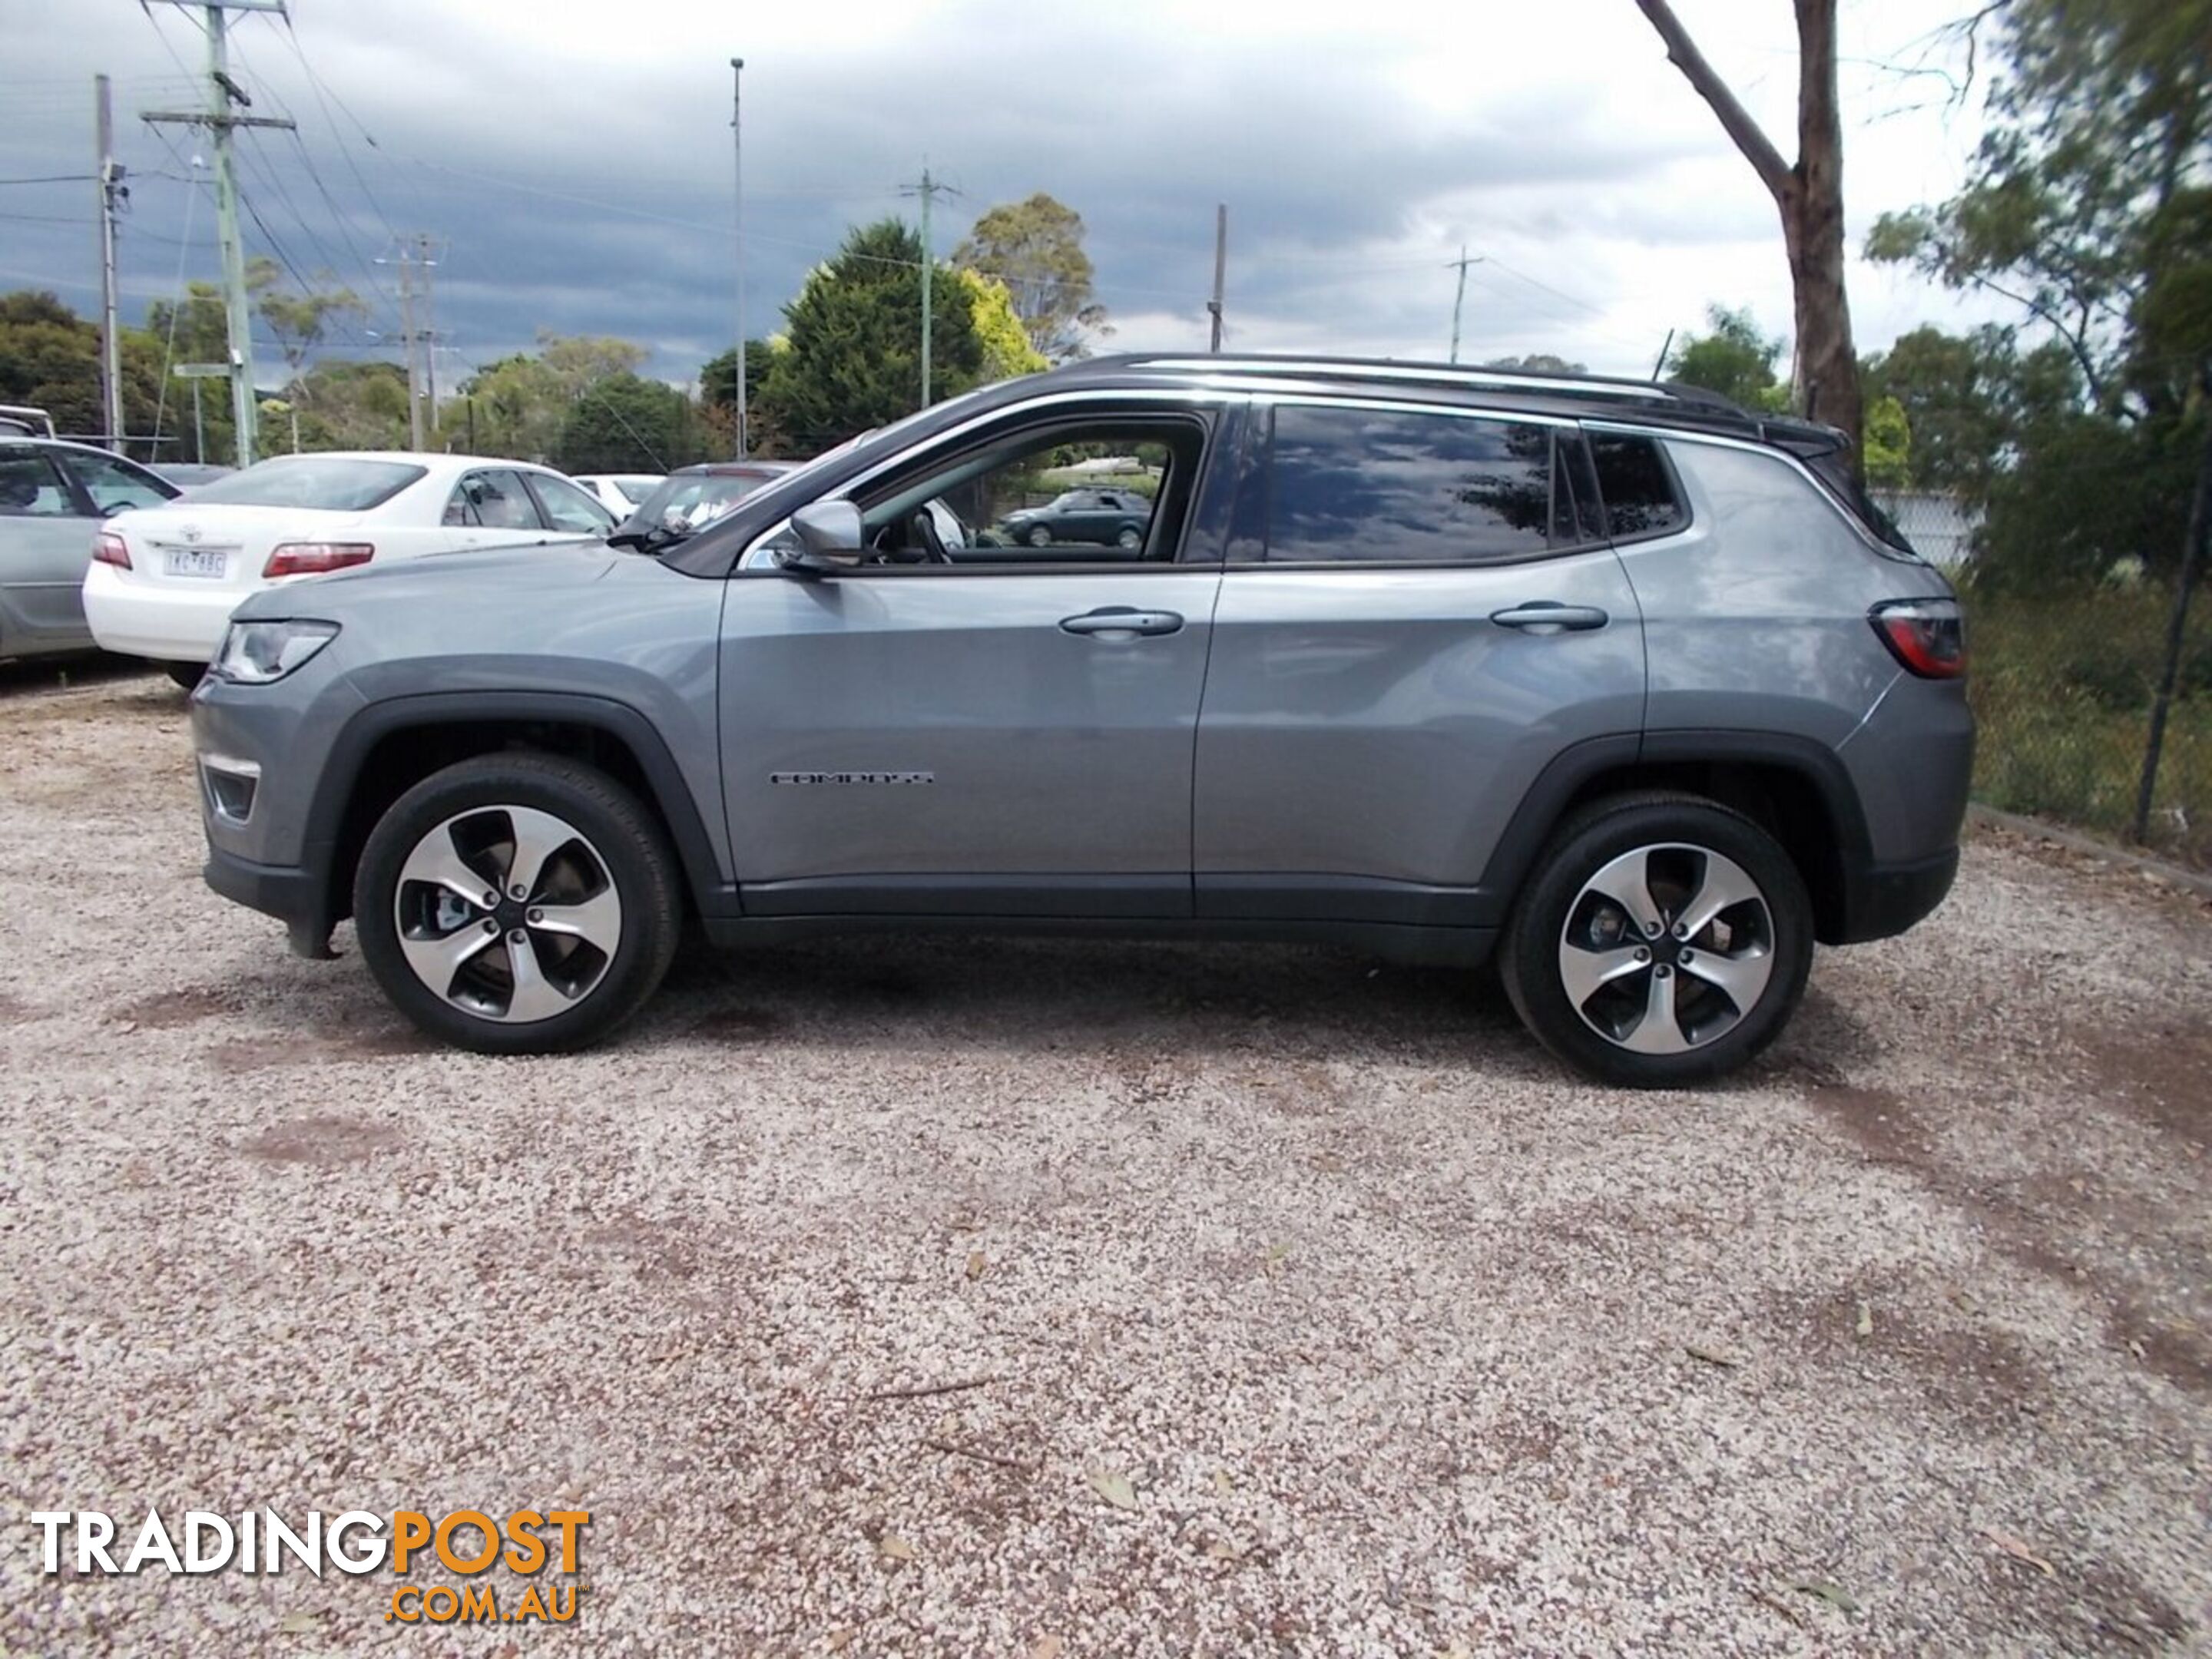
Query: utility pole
{"type": "Point", "coordinates": [430, 328]}
{"type": "Point", "coordinates": [407, 335]}
{"type": "Point", "coordinates": [111, 194]}
{"type": "Point", "coordinates": [414, 254]}
{"type": "Point", "coordinates": [1459, 299]}
{"type": "Point", "coordinates": [1220, 267]}
{"type": "Point", "coordinates": [928, 190]}
{"type": "Point", "coordinates": [221, 122]}
{"type": "Point", "coordinates": [738, 156]}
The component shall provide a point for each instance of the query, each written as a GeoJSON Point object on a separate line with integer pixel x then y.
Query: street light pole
{"type": "Point", "coordinates": [738, 158]}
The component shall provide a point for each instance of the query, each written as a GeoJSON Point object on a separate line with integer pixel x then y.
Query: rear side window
{"type": "Point", "coordinates": [1374, 486]}
{"type": "Point", "coordinates": [1637, 487]}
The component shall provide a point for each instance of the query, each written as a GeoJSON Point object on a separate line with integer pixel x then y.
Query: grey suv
{"type": "Point", "coordinates": [1613, 682]}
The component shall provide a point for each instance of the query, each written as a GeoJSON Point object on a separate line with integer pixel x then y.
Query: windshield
{"type": "Point", "coordinates": [331, 483]}
{"type": "Point", "coordinates": [635, 488]}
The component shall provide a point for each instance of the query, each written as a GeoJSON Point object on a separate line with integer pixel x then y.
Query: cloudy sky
{"type": "Point", "coordinates": [572, 162]}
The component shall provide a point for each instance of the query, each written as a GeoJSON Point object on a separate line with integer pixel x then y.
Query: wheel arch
{"type": "Point", "coordinates": [388, 747]}
{"type": "Point", "coordinates": [1795, 789]}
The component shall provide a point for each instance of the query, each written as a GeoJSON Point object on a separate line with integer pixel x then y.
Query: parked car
{"type": "Point", "coordinates": [690, 498]}
{"type": "Point", "coordinates": [189, 475]}
{"type": "Point", "coordinates": [620, 493]}
{"type": "Point", "coordinates": [1618, 683]}
{"type": "Point", "coordinates": [53, 497]}
{"type": "Point", "coordinates": [163, 583]}
{"type": "Point", "coordinates": [25, 421]}
{"type": "Point", "coordinates": [1109, 518]}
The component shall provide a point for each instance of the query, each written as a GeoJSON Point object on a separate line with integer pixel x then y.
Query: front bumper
{"type": "Point", "coordinates": [296, 897]}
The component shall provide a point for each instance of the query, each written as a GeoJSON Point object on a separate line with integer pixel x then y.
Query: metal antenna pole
{"type": "Point", "coordinates": [221, 124]}
{"type": "Point", "coordinates": [738, 158]}
{"type": "Point", "coordinates": [111, 345]}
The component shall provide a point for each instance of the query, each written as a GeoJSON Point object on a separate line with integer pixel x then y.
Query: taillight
{"type": "Point", "coordinates": [1929, 636]}
{"type": "Point", "coordinates": [108, 547]}
{"type": "Point", "coordinates": [313, 558]}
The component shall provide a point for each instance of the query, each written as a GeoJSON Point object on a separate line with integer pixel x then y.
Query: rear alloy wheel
{"type": "Point", "coordinates": [1038, 536]}
{"type": "Point", "coordinates": [1131, 537]}
{"type": "Point", "coordinates": [1668, 941]}
{"type": "Point", "coordinates": [517, 904]}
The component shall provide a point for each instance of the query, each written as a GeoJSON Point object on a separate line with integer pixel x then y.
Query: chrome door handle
{"type": "Point", "coordinates": [1121, 621]}
{"type": "Point", "coordinates": [1548, 615]}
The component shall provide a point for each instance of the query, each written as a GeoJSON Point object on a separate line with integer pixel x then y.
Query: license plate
{"type": "Point", "coordinates": [193, 562]}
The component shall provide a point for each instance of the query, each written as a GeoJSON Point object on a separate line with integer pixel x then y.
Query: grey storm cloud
{"type": "Point", "coordinates": [581, 189]}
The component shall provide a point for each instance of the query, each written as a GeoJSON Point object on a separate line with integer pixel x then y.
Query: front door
{"type": "Point", "coordinates": [954, 729]}
{"type": "Point", "coordinates": [46, 542]}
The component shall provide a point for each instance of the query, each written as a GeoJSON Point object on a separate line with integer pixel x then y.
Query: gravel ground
{"type": "Point", "coordinates": [1273, 1303]}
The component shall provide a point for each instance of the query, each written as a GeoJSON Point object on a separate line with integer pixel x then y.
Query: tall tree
{"type": "Point", "coordinates": [300, 322]}
{"type": "Point", "coordinates": [855, 332]}
{"type": "Point", "coordinates": [1537, 362]}
{"type": "Point", "coordinates": [1035, 248]}
{"type": "Point", "coordinates": [623, 423]}
{"type": "Point", "coordinates": [1007, 350]}
{"type": "Point", "coordinates": [1808, 195]}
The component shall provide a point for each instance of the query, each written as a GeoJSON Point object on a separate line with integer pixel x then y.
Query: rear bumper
{"type": "Point", "coordinates": [169, 624]}
{"type": "Point", "coordinates": [1882, 900]}
{"type": "Point", "coordinates": [294, 897]}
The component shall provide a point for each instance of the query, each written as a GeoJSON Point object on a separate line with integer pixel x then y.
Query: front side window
{"type": "Point", "coordinates": [28, 488]}
{"type": "Point", "coordinates": [1350, 485]}
{"type": "Point", "coordinates": [1637, 486]}
{"type": "Point", "coordinates": [1007, 500]}
{"type": "Point", "coordinates": [113, 484]}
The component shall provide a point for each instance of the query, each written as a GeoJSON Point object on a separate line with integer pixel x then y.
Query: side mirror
{"type": "Point", "coordinates": [829, 538]}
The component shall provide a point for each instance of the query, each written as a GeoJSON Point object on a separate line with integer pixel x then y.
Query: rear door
{"type": "Point", "coordinates": [1415, 616]}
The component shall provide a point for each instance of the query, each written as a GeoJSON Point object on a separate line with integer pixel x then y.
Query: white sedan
{"type": "Point", "coordinates": [164, 580]}
{"type": "Point", "coordinates": [620, 493]}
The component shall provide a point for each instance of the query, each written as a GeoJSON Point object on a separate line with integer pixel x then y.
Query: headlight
{"type": "Point", "coordinates": [255, 653]}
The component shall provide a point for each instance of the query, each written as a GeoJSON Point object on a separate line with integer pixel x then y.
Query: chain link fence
{"type": "Point", "coordinates": [2063, 688]}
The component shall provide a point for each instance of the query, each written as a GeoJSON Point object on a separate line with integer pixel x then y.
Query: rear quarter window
{"type": "Point", "coordinates": [1637, 486]}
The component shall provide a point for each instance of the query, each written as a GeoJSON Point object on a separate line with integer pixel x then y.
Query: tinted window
{"type": "Point", "coordinates": [330, 483]}
{"type": "Point", "coordinates": [28, 488]}
{"type": "Point", "coordinates": [1638, 489]}
{"type": "Point", "coordinates": [1357, 484]}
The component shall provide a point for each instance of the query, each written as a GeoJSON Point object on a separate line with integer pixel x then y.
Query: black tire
{"type": "Point", "coordinates": [1038, 536]}
{"type": "Point", "coordinates": [1529, 954]}
{"type": "Point", "coordinates": [628, 841]}
{"type": "Point", "coordinates": [185, 674]}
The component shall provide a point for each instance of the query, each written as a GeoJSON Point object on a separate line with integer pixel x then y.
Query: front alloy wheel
{"type": "Point", "coordinates": [509, 914]}
{"type": "Point", "coordinates": [516, 904]}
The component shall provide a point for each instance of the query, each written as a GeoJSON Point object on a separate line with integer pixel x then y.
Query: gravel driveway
{"type": "Point", "coordinates": [1054, 1298]}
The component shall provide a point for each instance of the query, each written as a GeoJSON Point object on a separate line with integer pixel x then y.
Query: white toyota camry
{"type": "Point", "coordinates": [163, 580]}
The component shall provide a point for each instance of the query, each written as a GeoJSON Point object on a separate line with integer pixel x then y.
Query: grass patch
{"type": "Point", "coordinates": [2062, 688]}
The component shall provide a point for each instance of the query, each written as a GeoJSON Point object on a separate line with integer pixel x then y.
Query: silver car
{"type": "Point", "coordinates": [53, 498]}
{"type": "Point", "coordinates": [1616, 684]}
